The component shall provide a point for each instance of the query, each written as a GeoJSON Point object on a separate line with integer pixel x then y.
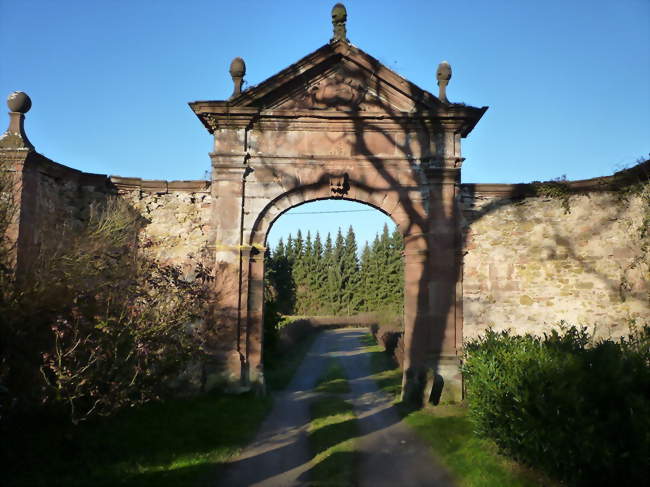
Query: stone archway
{"type": "Point", "coordinates": [339, 124]}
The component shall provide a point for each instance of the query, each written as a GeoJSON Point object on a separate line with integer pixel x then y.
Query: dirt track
{"type": "Point", "coordinates": [390, 453]}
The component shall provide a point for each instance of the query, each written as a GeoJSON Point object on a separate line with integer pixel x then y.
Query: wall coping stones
{"type": "Point", "coordinates": [638, 173]}
{"type": "Point", "coordinates": [160, 186]}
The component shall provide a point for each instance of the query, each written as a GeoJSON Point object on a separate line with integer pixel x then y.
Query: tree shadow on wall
{"type": "Point", "coordinates": [429, 219]}
{"type": "Point", "coordinates": [433, 223]}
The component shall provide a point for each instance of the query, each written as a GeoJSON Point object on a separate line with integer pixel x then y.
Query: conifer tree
{"type": "Point", "coordinates": [310, 278]}
{"type": "Point", "coordinates": [298, 246]}
{"type": "Point", "coordinates": [279, 251]}
{"type": "Point", "coordinates": [318, 276]}
{"type": "Point", "coordinates": [328, 290]}
{"type": "Point", "coordinates": [398, 270]}
{"type": "Point", "coordinates": [383, 258]}
{"type": "Point", "coordinates": [337, 275]}
{"type": "Point", "coordinates": [289, 248]}
{"type": "Point", "coordinates": [308, 245]}
{"type": "Point", "coordinates": [283, 279]}
{"type": "Point", "coordinates": [317, 248]}
{"type": "Point", "coordinates": [350, 271]}
{"type": "Point", "coordinates": [364, 293]}
{"type": "Point", "coordinates": [304, 301]}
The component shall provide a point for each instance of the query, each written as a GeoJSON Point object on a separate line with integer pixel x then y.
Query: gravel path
{"type": "Point", "coordinates": [391, 453]}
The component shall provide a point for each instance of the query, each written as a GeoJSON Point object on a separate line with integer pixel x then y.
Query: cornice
{"type": "Point", "coordinates": [459, 119]}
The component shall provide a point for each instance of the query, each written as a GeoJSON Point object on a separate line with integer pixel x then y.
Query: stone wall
{"type": "Point", "coordinates": [176, 214]}
{"type": "Point", "coordinates": [53, 199]}
{"type": "Point", "coordinates": [533, 261]}
{"type": "Point", "coordinates": [529, 262]}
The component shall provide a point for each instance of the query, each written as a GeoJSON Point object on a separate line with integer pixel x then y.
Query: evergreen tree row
{"type": "Point", "coordinates": [308, 277]}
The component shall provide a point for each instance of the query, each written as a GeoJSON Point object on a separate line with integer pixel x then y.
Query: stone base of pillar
{"type": "Point", "coordinates": [438, 382]}
{"type": "Point", "coordinates": [450, 389]}
{"type": "Point", "coordinates": [226, 371]}
{"type": "Point", "coordinates": [256, 382]}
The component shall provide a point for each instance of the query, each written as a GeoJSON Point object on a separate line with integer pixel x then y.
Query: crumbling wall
{"type": "Point", "coordinates": [176, 216]}
{"type": "Point", "coordinates": [532, 261]}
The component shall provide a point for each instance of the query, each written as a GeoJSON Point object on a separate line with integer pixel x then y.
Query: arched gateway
{"type": "Point", "coordinates": [339, 124]}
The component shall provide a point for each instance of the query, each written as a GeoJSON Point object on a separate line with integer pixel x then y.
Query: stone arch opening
{"type": "Point", "coordinates": [335, 230]}
{"type": "Point", "coordinates": [264, 224]}
{"type": "Point", "coordinates": [362, 237]}
{"type": "Point", "coordinates": [341, 188]}
{"type": "Point", "coordinates": [306, 206]}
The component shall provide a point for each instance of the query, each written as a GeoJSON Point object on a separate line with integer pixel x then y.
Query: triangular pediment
{"type": "Point", "coordinates": [338, 81]}
{"type": "Point", "coordinates": [344, 88]}
{"type": "Point", "coordinates": [339, 77]}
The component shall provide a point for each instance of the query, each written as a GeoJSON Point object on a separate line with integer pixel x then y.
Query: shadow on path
{"type": "Point", "coordinates": [390, 452]}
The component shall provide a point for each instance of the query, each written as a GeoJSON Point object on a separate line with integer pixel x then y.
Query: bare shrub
{"type": "Point", "coordinates": [106, 326]}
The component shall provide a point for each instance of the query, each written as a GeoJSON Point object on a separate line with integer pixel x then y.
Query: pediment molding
{"type": "Point", "coordinates": [338, 76]}
{"type": "Point", "coordinates": [338, 84]}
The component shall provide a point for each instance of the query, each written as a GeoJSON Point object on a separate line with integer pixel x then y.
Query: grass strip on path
{"type": "Point", "coordinates": [386, 373]}
{"type": "Point", "coordinates": [332, 432]}
{"type": "Point", "coordinates": [474, 461]}
{"type": "Point", "coordinates": [333, 381]}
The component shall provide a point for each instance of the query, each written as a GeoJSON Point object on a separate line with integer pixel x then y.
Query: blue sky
{"type": "Point", "coordinates": [566, 81]}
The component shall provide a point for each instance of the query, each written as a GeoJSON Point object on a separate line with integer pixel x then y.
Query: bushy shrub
{"type": "Point", "coordinates": [359, 320]}
{"type": "Point", "coordinates": [387, 337]}
{"type": "Point", "coordinates": [95, 324]}
{"type": "Point", "coordinates": [293, 332]}
{"type": "Point", "coordinates": [576, 408]}
{"type": "Point", "coordinates": [374, 329]}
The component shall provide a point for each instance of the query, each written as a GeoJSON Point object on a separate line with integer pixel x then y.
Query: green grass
{"type": "Point", "coordinates": [473, 461]}
{"type": "Point", "coordinates": [386, 373]}
{"type": "Point", "coordinates": [172, 443]}
{"type": "Point", "coordinates": [333, 380]}
{"type": "Point", "coordinates": [332, 432]}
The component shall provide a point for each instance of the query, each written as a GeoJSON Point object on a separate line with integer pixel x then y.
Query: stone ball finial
{"type": "Point", "coordinates": [19, 102]}
{"type": "Point", "coordinates": [14, 137]}
{"type": "Point", "coordinates": [237, 67]}
{"type": "Point", "coordinates": [339, 13]}
{"type": "Point", "coordinates": [443, 75]}
{"type": "Point", "coordinates": [237, 72]}
{"type": "Point", "coordinates": [444, 71]}
{"type": "Point", "coordinates": [339, 17]}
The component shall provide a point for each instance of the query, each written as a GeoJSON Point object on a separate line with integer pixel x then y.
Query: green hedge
{"type": "Point", "coordinates": [574, 407]}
